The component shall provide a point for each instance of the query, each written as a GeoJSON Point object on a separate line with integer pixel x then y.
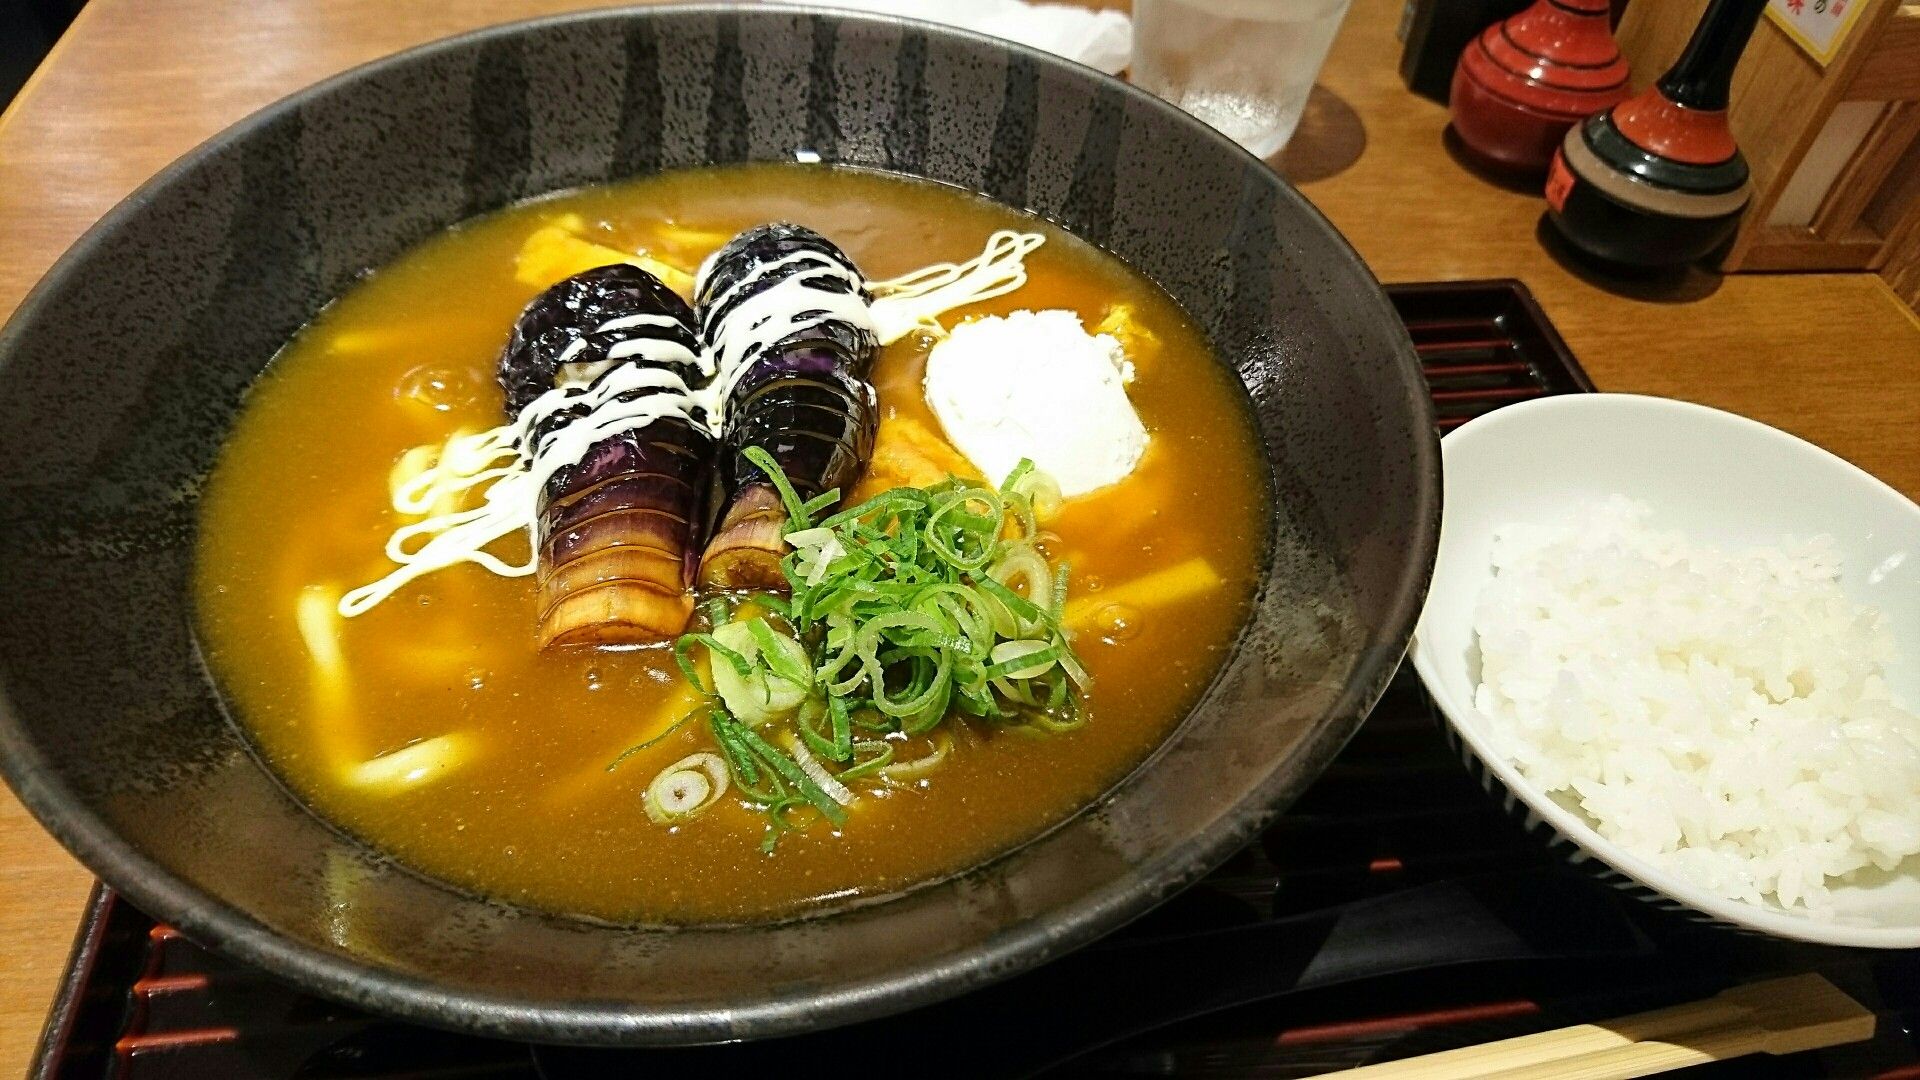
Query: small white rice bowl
{"type": "Point", "coordinates": [1722, 714]}
{"type": "Point", "coordinates": [1706, 686]}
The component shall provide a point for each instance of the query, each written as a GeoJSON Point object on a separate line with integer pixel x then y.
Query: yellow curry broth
{"type": "Point", "coordinates": [515, 799]}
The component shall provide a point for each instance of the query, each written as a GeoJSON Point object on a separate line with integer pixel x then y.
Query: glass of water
{"type": "Point", "coordinates": [1243, 66]}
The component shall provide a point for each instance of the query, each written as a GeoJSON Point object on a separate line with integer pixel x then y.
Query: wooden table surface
{"type": "Point", "coordinates": [135, 83]}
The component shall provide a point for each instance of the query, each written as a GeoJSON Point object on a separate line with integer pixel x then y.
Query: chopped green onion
{"type": "Point", "coordinates": [734, 660]}
{"type": "Point", "coordinates": [779, 605]}
{"type": "Point", "coordinates": [739, 759]}
{"type": "Point", "coordinates": [1025, 659]}
{"type": "Point", "coordinates": [776, 678]}
{"type": "Point", "coordinates": [842, 729]}
{"type": "Point", "coordinates": [811, 713]}
{"type": "Point", "coordinates": [686, 787]}
{"type": "Point", "coordinates": [774, 649]}
{"type": "Point", "coordinates": [817, 772]}
{"type": "Point", "coordinates": [682, 650]}
{"type": "Point", "coordinates": [1017, 604]}
{"type": "Point", "coordinates": [822, 501]}
{"type": "Point", "coordinates": [1036, 488]}
{"type": "Point", "coordinates": [790, 772]}
{"type": "Point", "coordinates": [777, 824]}
{"type": "Point", "coordinates": [1020, 471]}
{"type": "Point", "coordinates": [919, 767]}
{"type": "Point", "coordinates": [677, 725]}
{"type": "Point", "coordinates": [879, 754]}
{"type": "Point", "coordinates": [796, 510]}
{"type": "Point", "coordinates": [912, 608]}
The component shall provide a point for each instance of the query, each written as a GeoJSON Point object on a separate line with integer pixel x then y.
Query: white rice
{"type": "Point", "coordinates": [1721, 714]}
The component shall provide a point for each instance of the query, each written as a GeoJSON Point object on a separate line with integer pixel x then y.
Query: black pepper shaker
{"type": "Point", "coordinates": [1435, 31]}
{"type": "Point", "coordinates": [1658, 180]}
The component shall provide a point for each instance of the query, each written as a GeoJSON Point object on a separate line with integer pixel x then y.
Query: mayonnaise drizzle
{"type": "Point", "coordinates": [510, 472]}
{"type": "Point", "coordinates": [913, 301]}
{"type": "Point", "coordinates": [787, 307]}
{"type": "Point", "coordinates": [513, 476]}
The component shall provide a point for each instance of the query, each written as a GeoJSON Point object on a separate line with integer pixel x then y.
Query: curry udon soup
{"type": "Point", "coordinates": [726, 542]}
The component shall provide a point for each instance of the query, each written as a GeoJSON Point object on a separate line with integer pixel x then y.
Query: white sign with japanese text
{"type": "Point", "coordinates": [1818, 26]}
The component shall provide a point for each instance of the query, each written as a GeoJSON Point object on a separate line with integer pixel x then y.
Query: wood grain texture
{"type": "Point", "coordinates": [1895, 214]}
{"type": "Point", "coordinates": [1779, 1016]}
{"type": "Point", "coordinates": [1892, 71]}
{"type": "Point", "coordinates": [136, 83]}
{"type": "Point", "coordinates": [1863, 176]}
{"type": "Point", "coordinates": [1798, 248]}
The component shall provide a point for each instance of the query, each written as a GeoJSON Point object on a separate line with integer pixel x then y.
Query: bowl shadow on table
{"type": "Point", "coordinates": [1504, 177]}
{"type": "Point", "coordinates": [1662, 285]}
{"type": "Point", "coordinates": [1330, 138]}
{"type": "Point", "coordinates": [1665, 285]}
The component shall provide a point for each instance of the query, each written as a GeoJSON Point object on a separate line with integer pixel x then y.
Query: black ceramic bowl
{"type": "Point", "coordinates": [122, 372]}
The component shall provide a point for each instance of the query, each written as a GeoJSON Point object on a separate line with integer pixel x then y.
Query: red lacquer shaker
{"type": "Point", "coordinates": [1524, 82]}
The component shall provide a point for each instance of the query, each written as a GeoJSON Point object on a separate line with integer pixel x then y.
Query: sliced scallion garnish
{"type": "Point", "coordinates": [916, 606]}
{"type": "Point", "coordinates": [686, 787]}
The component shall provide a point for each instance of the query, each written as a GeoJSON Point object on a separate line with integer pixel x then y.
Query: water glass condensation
{"type": "Point", "coordinates": [1243, 66]}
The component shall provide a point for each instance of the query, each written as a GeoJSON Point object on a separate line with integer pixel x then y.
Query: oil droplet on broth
{"type": "Point", "coordinates": [440, 388]}
{"type": "Point", "coordinates": [1117, 623]}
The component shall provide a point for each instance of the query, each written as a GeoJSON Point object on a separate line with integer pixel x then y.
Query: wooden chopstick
{"type": "Point", "coordinates": [1779, 1016]}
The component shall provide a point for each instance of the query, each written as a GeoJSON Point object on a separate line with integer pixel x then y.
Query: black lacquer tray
{"type": "Point", "coordinates": [1391, 912]}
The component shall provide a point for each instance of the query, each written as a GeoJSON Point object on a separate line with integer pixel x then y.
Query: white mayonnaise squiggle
{"type": "Point", "coordinates": [787, 307]}
{"type": "Point", "coordinates": [513, 472]}
{"type": "Point", "coordinates": [914, 301]}
{"type": "Point", "coordinates": [515, 476]}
